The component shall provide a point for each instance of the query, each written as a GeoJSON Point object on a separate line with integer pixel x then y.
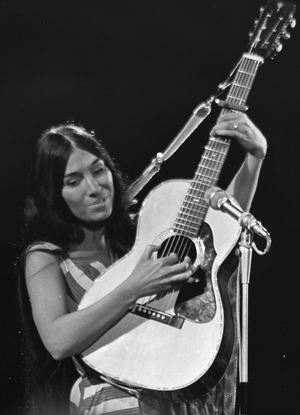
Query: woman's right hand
{"type": "Point", "coordinates": [151, 276]}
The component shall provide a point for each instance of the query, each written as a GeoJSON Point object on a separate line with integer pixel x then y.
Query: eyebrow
{"type": "Point", "coordinates": [92, 165]}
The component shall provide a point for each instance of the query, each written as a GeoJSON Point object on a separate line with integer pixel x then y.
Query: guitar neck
{"type": "Point", "coordinates": [194, 208]}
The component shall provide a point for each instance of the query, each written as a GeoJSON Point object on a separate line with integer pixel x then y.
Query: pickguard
{"type": "Point", "coordinates": [196, 301]}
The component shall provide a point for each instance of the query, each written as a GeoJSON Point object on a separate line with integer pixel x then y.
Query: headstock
{"type": "Point", "coordinates": [275, 17]}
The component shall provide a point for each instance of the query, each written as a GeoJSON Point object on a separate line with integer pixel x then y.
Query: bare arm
{"type": "Point", "coordinates": [250, 138]}
{"type": "Point", "coordinates": [65, 334]}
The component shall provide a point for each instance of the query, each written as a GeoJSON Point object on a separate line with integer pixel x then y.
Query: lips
{"type": "Point", "coordinates": [99, 201]}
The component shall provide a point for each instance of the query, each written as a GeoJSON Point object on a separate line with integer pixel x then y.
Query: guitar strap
{"type": "Point", "coordinates": [199, 114]}
{"type": "Point", "coordinates": [91, 373]}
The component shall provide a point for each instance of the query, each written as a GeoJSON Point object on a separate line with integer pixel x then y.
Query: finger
{"type": "Point", "coordinates": [176, 267]}
{"type": "Point", "coordinates": [170, 259]}
{"type": "Point", "coordinates": [150, 249]}
{"type": "Point", "coordinates": [228, 132]}
{"type": "Point", "coordinates": [181, 271]}
{"type": "Point", "coordinates": [188, 260]}
{"type": "Point", "coordinates": [227, 128]}
{"type": "Point", "coordinates": [232, 116]}
{"type": "Point", "coordinates": [182, 277]}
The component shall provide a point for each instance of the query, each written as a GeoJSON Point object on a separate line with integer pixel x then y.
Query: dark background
{"type": "Point", "coordinates": [133, 71]}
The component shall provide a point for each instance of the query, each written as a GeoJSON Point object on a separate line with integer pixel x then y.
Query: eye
{"type": "Point", "coordinates": [98, 171]}
{"type": "Point", "coordinates": [72, 182]}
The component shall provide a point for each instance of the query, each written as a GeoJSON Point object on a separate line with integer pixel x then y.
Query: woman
{"type": "Point", "coordinates": [77, 225]}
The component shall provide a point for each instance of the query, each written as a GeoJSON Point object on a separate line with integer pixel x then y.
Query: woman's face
{"type": "Point", "coordinates": [88, 187]}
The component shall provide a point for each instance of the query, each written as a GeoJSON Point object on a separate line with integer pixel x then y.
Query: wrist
{"type": "Point", "coordinates": [259, 153]}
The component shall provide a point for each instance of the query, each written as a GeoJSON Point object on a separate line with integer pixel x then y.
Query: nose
{"type": "Point", "coordinates": [92, 186]}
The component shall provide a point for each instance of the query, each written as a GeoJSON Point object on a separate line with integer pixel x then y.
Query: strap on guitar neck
{"type": "Point", "coordinates": [199, 114]}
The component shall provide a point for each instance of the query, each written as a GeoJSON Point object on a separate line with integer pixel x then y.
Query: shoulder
{"type": "Point", "coordinates": [43, 246]}
{"type": "Point", "coordinates": [46, 248]}
{"type": "Point", "coordinates": [42, 257]}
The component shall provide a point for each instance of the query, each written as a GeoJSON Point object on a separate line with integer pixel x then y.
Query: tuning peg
{"type": "Point", "coordinates": [292, 23]}
{"type": "Point", "coordinates": [286, 35]}
{"type": "Point", "coordinates": [276, 50]}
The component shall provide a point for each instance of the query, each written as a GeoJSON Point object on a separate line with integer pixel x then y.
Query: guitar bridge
{"type": "Point", "coordinates": [151, 313]}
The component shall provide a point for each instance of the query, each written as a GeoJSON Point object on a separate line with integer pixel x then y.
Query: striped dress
{"type": "Point", "coordinates": [91, 396]}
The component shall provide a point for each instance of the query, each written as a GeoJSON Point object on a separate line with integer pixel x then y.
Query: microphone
{"type": "Point", "coordinates": [218, 199]}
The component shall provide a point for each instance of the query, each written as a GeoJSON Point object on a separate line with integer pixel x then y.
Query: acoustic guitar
{"type": "Point", "coordinates": [169, 341]}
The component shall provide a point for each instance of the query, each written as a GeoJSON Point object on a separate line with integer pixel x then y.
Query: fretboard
{"type": "Point", "coordinates": [194, 207]}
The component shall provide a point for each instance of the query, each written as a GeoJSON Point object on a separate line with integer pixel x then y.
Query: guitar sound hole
{"type": "Point", "coordinates": [196, 300]}
{"type": "Point", "coordinates": [180, 245]}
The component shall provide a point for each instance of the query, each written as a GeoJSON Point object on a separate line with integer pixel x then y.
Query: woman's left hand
{"type": "Point", "coordinates": [238, 126]}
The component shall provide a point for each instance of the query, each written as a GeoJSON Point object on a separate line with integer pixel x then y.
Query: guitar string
{"type": "Point", "coordinates": [208, 166]}
{"type": "Point", "coordinates": [211, 165]}
{"type": "Point", "coordinates": [214, 157]}
{"type": "Point", "coordinates": [191, 205]}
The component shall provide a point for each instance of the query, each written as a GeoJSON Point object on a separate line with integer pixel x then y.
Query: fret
{"type": "Point", "coordinates": [215, 150]}
{"type": "Point", "coordinates": [241, 86]}
{"type": "Point", "coordinates": [186, 232]}
{"type": "Point", "coordinates": [191, 225]}
{"type": "Point", "coordinates": [211, 159]}
{"type": "Point", "coordinates": [218, 145]}
{"type": "Point", "coordinates": [189, 208]}
{"type": "Point", "coordinates": [198, 192]}
{"type": "Point", "coordinates": [194, 208]}
{"type": "Point", "coordinates": [246, 73]}
{"type": "Point", "coordinates": [237, 99]}
{"type": "Point", "coordinates": [191, 213]}
{"type": "Point", "coordinates": [219, 140]}
{"type": "Point", "coordinates": [205, 176]}
{"type": "Point", "coordinates": [209, 168]}
{"type": "Point", "coordinates": [191, 222]}
{"type": "Point", "coordinates": [195, 198]}
{"type": "Point", "coordinates": [213, 156]}
{"type": "Point", "coordinates": [254, 57]}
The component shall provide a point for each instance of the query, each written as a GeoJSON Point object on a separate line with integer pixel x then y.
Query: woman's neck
{"type": "Point", "coordinates": [93, 248]}
{"type": "Point", "coordinates": [93, 239]}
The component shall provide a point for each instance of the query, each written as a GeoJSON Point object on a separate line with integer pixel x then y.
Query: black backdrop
{"type": "Point", "coordinates": [133, 71]}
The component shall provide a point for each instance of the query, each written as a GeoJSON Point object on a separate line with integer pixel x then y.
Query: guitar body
{"type": "Point", "coordinates": [170, 343]}
{"type": "Point", "coordinates": [146, 353]}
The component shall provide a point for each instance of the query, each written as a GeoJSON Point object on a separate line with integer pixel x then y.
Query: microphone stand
{"type": "Point", "coordinates": [245, 254]}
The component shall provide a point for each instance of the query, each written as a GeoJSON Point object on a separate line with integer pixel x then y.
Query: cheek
{"type": "Point", "coordinates": [73, 199]}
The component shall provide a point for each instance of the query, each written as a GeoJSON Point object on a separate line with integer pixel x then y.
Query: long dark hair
{"type": "Point", "coordinates": [47, 218]}
{"type": "Point", "coordinates": [47, 215]}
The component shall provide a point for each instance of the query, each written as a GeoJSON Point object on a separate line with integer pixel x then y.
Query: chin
{"type": "Point", "coordinates": [94, 223]}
